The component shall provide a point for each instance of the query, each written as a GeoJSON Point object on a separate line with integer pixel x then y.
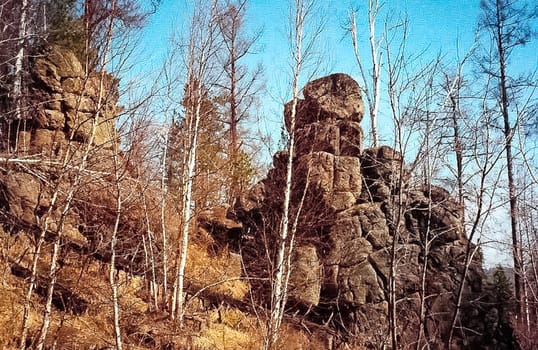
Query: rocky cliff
{"type": "Point", "coordinates": [68, 109]}
{"type": "Point", "coordinates": [61, 179]}
{"type": "Point", "coordinates": [367, 241]}
{"type": "Point", "coordinates": [64, 101]}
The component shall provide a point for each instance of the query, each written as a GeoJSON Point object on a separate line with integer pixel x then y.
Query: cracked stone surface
{"type": "Point", "coordinates": [360, 220]}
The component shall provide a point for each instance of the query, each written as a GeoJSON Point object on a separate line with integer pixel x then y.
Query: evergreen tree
{"type": "Point", "coordinates": [502, 291]}
{"type": "Point", "coordinates": [210, 180]}
{"type": "Point", "coordinates": [65, 26]}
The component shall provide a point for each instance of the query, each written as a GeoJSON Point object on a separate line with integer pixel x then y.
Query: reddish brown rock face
{"type": "Point", "coordinates": [65, 103]}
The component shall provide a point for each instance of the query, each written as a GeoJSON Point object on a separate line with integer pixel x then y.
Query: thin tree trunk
{"type": "Point", "coordinates": [372, 86]}
{"type": "Point", "coordinates": [426, 243]}
{"type": "Point", "coordinates": [164, 191]}
{"type": "Point", "coordinates": [201, 51]}
{"type": "Point", "coordinates": [373, 9]}
{"type": "Point", "coordinates": [53, 272]}
{"type": "Point", "coordinates": [458, 145]}
{"type": "Point", "coordinates": [278, 302]}
{"type": "Point", "coordinates": [392, 312]}
{"type": "Point", "coordinates": [285, 244]}
{"type": "Point", "coordinates": [19, 71]}
{"type": "Point", "coordinates": [188, 210]}
{"type": "Point", "coordinates": [233, 128]}
{"type": "Point", "coordinates": [508, 133]}
{"type": "Point", "coordinates": [291, 245]}
{"type": "Point", "coordinates": [524, 280]}
{"type": "Point", "coordinates": [33, 276]}
{"type": "Point", "coordinates": [112, 275]}
{"type": "Point", "coordinates": [469, 253]}
{"type": "Point", "coordinates": [151, 243]}
{"type": "Point", "coordinates": [19, 60]}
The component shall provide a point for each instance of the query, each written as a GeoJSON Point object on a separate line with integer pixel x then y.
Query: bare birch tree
{"type": "Point", "coordinates": [481, 196]}
{"type": "Point", "coordinates": [303, 34]}
{"type": "Point", "coordinates": [200, 58]}
{"type": "Point", "coordinates": [19, 28]}
{"type": "Point", "coordinates": [164, 235]}
{"type": "Point", "coordinates": [19, 69]}
{"type": "Point", "coordinates": [112, 274]}
{"type": "Point", "coordinates": [396, 82]}
{"type": "Point", "coordinates": [70, 195]}
{"type": "Point", "coordinates": [370, 80]}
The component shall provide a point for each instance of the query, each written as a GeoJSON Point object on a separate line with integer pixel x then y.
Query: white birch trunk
{"type": "Point", "coordinates": [283, 264]}
{"type": "Point", "coordinates": [201, 50]}
{"type": "Point", "coordinates": [112, 273]}
{"type": "Point", "coordinates": [154, 287]}
{"type": "Point", "coordinates": [371, 84]}
{"type": "Point", "coordinates": [33, 276]}
{"type": "Point", "coordinates": [19, 60]}
{"type": "Point", "coordinates": [164, 191]}
{"type": "Point", "coordinates": [188, 209]}
{"type": "Point", "coordinates": [373, 9]}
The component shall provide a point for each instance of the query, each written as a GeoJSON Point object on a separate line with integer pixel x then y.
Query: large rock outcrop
{"type": "Point", "coordinates": [361, 226]}
{"type": "Point", "coordinates": [70, 119]}
{"type": "Point", "coordinates": [66, 103]}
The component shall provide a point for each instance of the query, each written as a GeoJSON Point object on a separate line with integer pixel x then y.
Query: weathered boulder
{"type": "Point", "coordinates": [341, 138]}
{"type": "Point", "coordinates": [46, 75]}
{"type": "Point", "coordinates": [337, 96]}
{"type": "Point", "coordinates": [22, 192]}
{"type": "Point", "coordinates": [47, 142]}
{"type": "Point", "coordinates": [351, 138]}
{"type": "Point", "coordinates": [318, 169]}
{"type": "Point", "coordinates": [220, 226]}
{"type": "Point", "coordinates": [384, 173]}
{"type": "Point", "coordinates": [319, 137]}
{"type": "Point", "coordinates": [347, 175]}
{"type": "Point", "coordinates": [67, 64]}
{"type": "Point", "coordinates": [50, 119]}
{"type": "Point", "coordinates": [373, 224]}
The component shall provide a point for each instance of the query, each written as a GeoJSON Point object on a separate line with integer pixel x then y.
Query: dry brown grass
{"type": "Point", "coordinates": [11, 308]}
{"type": "Point", "coordinates": [88, 279]}
{"type": "Point", "coordinates": [218, 273]}
{"type": "Point", "coordinates": [223, 271]}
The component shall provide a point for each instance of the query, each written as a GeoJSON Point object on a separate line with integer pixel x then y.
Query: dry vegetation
{"type": "Point", "coordinates": [211, 323]}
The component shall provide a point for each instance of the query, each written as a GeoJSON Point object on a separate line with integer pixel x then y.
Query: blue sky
{"type": "Point", "coordinates": [435, 24]}
{"type": "Point", "coordinates": [435, 27]}
{"type": "Point", "coordinates": [445, 27]}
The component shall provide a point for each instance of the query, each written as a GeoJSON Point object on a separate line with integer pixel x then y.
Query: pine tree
{"type": "Point", "coordinates": [64, 27]}
{"type": "Point", "coordinates": [502, 291]}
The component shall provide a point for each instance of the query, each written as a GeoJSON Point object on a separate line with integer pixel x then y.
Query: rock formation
{"type": "Point", "coordinates": [65, 101]}
{"type": "Point", "coordinates": [69, 108]}
{"type": "Point", "coordinates": [362, 225]}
